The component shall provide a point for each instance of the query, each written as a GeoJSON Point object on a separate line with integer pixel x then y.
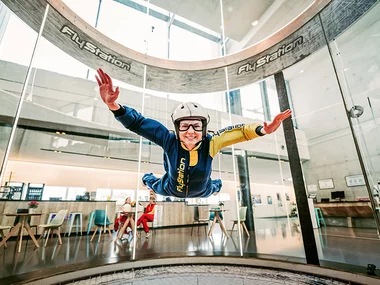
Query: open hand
{"type": "Point", "coordinates": [107, 94]}
{"type": "Point", "coordinates": [273, 126]}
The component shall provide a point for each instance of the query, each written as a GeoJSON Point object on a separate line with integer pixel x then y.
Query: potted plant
{"type": "Point", "coordinates": [32, 205]}
{"type": "Point", "coordinates": [86, 196]}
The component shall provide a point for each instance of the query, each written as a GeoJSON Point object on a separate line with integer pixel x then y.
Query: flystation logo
{"type": "Point", "coordinates": [90, 47]}
{"type": "Point", "coordinates": [286, 48]}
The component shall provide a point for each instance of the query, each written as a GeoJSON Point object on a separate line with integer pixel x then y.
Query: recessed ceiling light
{"type": "Point", "coordinates": [302, 71]}
{"type": "Point", "coordinates": [96, 99]}
{"type": "Point", "coordinates": [346, 69]}
{"type": "Point", "coordinates": [254, 23]}
{"type": "Point", "coordinates": [230, 9]}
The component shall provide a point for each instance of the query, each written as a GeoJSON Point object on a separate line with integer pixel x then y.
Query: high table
{"type": "Point", "coordinates": [19, 227]}
{"type": "Point", "coordinates": [217, 217]}
{"type": "Point", "coordinates": [124, 227]}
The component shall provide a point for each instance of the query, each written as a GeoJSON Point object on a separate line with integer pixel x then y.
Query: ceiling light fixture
{"type": "Point", "coordinates": [254, 23]}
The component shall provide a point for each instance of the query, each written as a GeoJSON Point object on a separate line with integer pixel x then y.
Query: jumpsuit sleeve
{"type": "Point", "coordinates": [150, 129]}
{"type": "Point", "coordinates": [233, 134]}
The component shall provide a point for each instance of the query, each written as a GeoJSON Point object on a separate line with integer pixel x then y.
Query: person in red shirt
{"type": "Point", "coordinates": [148, 216]}
{"type": "Point", "coordinates": [123, 217]}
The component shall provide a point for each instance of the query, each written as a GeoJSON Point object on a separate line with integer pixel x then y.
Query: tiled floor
{"type": "Point", "coordinates": [274, 238]}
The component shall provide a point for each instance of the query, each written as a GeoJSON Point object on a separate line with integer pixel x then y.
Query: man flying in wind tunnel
{"type": "Point", "coordinates": [188, 153]}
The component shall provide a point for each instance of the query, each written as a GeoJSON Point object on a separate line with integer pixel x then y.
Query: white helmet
{"type": "Point", "coordinates": [190, 110]}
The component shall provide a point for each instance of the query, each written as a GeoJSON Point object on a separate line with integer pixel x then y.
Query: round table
{"type": "Point", "coordinates": [21, 225]}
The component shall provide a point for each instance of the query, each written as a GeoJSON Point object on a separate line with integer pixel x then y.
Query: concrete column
{"type": "Point", "coordinates": [245, 189]}
{"type": "Point", "coordinates": [242, 164]}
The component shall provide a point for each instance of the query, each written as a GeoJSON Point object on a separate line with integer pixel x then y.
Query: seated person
{"type": "Point", "coordinates": [123, 215]}
{"type": "Point", "coordinates": [148, 216]}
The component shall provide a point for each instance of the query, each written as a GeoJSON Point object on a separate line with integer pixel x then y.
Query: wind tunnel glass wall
{"type": "Point", "coordinates": [359, 77]}
{"type": "Point", "coordinates": [320, 115]}
{"type": "Point", "coordinates": [69, 140]}
{"type": "Point", "coordinates": [15, 56]}
{"type": "Point", "coordinates": [264, 179]}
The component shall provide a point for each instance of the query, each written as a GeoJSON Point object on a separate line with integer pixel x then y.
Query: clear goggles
{"type": "Point", "coordinates": [184, 126]}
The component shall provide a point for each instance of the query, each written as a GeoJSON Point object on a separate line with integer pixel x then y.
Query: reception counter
{"type": "Point", "coordinates": [350, 214]}
{"type": "Point", "coordinates": [47, 207]}
{"type": "Point", "coordinates": [346, 209]}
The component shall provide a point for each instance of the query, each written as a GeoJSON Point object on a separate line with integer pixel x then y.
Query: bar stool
{"type": "Point", "coordinates": [319, 217]}
{"type": "Point", "coordinates": [76, 216]}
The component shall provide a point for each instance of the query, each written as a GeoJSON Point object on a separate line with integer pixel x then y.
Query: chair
{"type": "Point", "coordinates": [2, 228]}
{"type": "Point", "coordinates": [242, 216]}
{"type": "Point", "coordinates": [101, 221]}
{"type": "Point", "coordinates": [54, 225]}
{"type": "Point", "coordinates": [211, 217]}
{"type": "Point", "coordinates": [157, 215]}
{"type": "Point", "coordinates": [198, 220]}
{"type": "Point", "coordinates": [90, 222]}
{"type": "Point", "coordinates": [319, 217]}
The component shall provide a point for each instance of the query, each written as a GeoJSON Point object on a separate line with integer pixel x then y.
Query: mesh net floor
{"type": "Point", "coordinates": [206, 274]}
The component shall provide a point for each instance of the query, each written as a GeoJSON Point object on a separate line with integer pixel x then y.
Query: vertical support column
{"type": "Point", "coordinates": [296, 170]}
{"type": "Point", "coordinates": [242, 164]}
{"type": "Point", "coordinates": [265, 101]}
{"type": "Point", "coordinates": [245, 188]}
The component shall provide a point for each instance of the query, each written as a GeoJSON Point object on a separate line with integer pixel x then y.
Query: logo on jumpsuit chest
{"type": "Point", "coordinates": [181, 175]}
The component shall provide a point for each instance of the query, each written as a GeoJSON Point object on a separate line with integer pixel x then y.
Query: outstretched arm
{"type": "Point", "coordinates": [129, 117]}
{"type": "Point", "coordinates": [242, 132]}
{"type": "Point", "coordinates": [107, 94]}
{"type": "Point", "coordinates": [273, 126]}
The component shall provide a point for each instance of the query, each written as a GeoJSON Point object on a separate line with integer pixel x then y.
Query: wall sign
{"type": "Point", "coordinates": [355, 180]}
{"type": "Point", "coordinates": [326, 183]}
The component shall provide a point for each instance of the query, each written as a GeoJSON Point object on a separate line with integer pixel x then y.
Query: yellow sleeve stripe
{"type": "Point", "coordinates": [232, 135]}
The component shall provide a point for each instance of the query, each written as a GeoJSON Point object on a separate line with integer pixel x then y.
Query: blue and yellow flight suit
{"type": "Point", "coordinates": [187, 172]}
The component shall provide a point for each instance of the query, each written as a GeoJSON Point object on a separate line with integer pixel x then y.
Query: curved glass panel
{"type": "Point", "coordinates": [362, 99]}
{"type": "Point", "coordinates": [320, 114]}
{"type": "Point", "coordinates": [263, 163]}
{"type": "Point", "coordinates": [14, 66]}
